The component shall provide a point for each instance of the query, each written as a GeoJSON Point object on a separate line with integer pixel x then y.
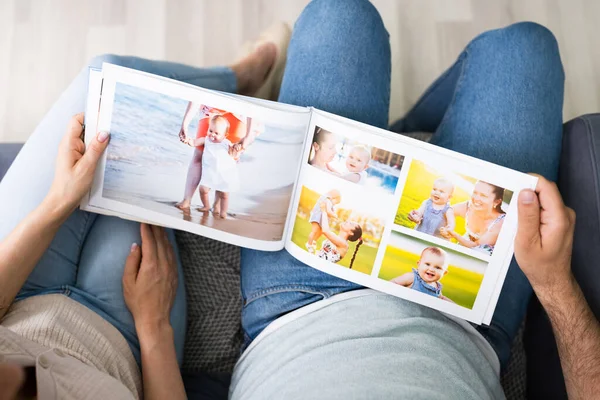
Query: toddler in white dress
{"type": "Point", "coordinates": [219, 169]}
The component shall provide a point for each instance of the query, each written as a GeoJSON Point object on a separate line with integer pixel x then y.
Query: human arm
{"type": "Point", "coordinates": [332, 169]}
{"type": "Point", "coordinates": [417, 215]}
{"type": "Point", "coordinates": [450, 220]}
{"type": "Point", "coordinates": [489, 237]}
{"type": "Point", "coordinates": [149, 288]}
{"type": "Point", "coordinates": [198, 141]}
{"type": "Point", "coordinates": [329, 234]}
{"type": "Point", "coordinates": [405, 280]}
{"type": "Point", "coordinates": [190, 111]}
{"type": "Point", "coordinates": [329, 209]}
{"type": "Point", "coordinates": [253, 129]}
{"type": "Point", "coordinates": [21, 250]}
{"type": "Point", "coordinates": [352, 177]}
{"type": "Point", "coordinates": [543, 247]}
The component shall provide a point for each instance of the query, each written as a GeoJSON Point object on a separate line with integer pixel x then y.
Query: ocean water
{"type": "Point", "coordinates": [146, 161]}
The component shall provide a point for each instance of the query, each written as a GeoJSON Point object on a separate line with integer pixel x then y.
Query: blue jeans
{"type": "Point", "coordinates": [86, 258]}
{"type": "Point", "coordinates": [501, 101]}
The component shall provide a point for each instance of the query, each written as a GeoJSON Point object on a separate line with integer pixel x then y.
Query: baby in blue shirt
{"type": "Point", "coordinates": [431, 267]}
{"type": "Point", "coordinates": [435, 212]}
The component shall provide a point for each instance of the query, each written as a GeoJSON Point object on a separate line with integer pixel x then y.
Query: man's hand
{"type": "Point", "coordinates": [150, 281]}
{"type": "Point", "coordinates": [543, 250]}
{"type": "Point", "coordinates": [75, 166]}
{"type": "Point", "coordinates": [544, 240]}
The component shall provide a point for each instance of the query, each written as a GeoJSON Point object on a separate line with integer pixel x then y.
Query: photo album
{"type": "Point", "coordinates": [367, 205]}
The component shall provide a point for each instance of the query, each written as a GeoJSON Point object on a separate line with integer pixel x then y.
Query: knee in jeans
{"type": "Point", "coordinates": [349, 13]}
{"type": "Point", "coordinates": [528, 44]}
{"type": "Point", "coordinates": [96, 62]}
{"type": "Point", "coordinates": [523, 38]}
{"type": "Point", "coordinates": [533, 35]}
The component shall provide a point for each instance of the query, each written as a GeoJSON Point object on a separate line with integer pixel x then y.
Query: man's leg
{"type": "Point", "coordinates": [501, 102]}
{"type": "Point", "coordinates": [338, 61]}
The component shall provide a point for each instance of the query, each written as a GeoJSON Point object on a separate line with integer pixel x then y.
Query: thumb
{"type": "Point", "coordinates": [95, 149]}
{"type": "Point", "coordinates": [132, 264]}
{"type": "Point", "coordinates": [528, 231]}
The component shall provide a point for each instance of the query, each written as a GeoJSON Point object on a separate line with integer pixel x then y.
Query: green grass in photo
{"type": "Point", "coordinates": [460, 285]}
{"type": "Point", "coordinates": [364, 258]}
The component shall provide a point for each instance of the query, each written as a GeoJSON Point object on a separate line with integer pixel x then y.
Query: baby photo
{"type": "Point", "coordinates": [338, 225]}
{"type": "Point", "coordinates": [354, 161]}
{"type": "Point", "coordinates": [433, 270]}
{"type": "Point", "coordinates": [453, 207]}
{"type": "Point", "coordinates": [202, 164]}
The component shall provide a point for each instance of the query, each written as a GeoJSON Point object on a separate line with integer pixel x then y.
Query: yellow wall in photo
{"type": "Point", "coordinates": [460, 285]}
{"type": "Point", "coordinates": [417, 189]}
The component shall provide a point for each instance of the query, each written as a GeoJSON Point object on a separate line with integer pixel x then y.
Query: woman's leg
{"type": "Point", "coordinates": [338, 61]}
{"type": "Point", "coordinates": [99, 279]}
{"type": "Point", "coordinates": [29, 178]}
{"type": "Point", "coordinates": [501, 102]}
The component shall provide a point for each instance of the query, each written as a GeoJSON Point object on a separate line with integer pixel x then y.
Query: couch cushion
{"type": "Point", "coordinates": [8, 152]}
{"type": "Point", "coordinates": [579, 184]}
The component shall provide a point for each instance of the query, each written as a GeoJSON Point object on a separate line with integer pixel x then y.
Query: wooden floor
{"type": "Point", "coordinates": [44, 43]}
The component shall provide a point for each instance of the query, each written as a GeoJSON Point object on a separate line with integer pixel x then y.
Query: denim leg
{"type": "Point", "coordinates": [65, 264]}
{"type": "Point", "coordinates": [501, 102]}
{"type": "Point", "coordinates": [338, 61]}
{"type": "Point", "coordinates": [100, 274]}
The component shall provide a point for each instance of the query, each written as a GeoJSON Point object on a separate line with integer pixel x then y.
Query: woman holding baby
{"type": "Point", "coordinates": [483, 215]}
{"type": "Point", "coordinates": [335, 246]}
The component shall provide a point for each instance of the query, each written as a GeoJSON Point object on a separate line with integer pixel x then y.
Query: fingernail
{"type": "Point", "coordinates": [134, 247]}
{"type": "Point", "coordinates": [527, 197]}
{"type": "Point", "coordinates": [102, 136]}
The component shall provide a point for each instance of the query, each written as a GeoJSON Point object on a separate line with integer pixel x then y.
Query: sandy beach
{"type": "Point", "coordinates": [265, 222]}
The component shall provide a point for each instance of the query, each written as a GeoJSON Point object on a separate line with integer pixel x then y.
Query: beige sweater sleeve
{"type": "Point", "coordinates": [76, 352]}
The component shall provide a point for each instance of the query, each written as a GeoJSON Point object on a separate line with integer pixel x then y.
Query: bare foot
{"type": "Point", "coordinates": [215, 212]}
{"type": "Point", "coordinates": [183, 205]}
{"type": "Point", "coordinates": [252, 71]}
{"type": "Point", "coordinates": [222, 216]}
{"type": "Point", "coordinates": [203, 209]}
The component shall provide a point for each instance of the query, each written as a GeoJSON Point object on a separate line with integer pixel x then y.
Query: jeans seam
{"type": "Point", "coordinates": [282, 289]}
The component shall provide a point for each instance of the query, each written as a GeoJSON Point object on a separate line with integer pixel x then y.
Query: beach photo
{"type": "Point", "coordinates": [201, 164]}
{"type": "Point", "coordinates": [432, 269]}
{"type": "Point", "coordinates": [452, 206]}
{"type": "Point", "coordinates": [337, 222]}
{"type": "Point", "coordinates": [354, 161]}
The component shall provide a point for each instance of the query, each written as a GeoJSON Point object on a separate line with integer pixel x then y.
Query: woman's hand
{"type": "Point", "coordinates": [544, 240]}
{"type": "Point", "coordinates": [183, 138]}
{"type": "Point", "coordinates": [446, 232]}
{"type": "Point", "coordinates": [75, 166]}
{"type": "Point", "coordinates": [150, 281]}
{"type": "Point", "coordinates": [236, 150]}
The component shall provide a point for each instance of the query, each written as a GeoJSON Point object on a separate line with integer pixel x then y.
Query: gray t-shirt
{"type": "Point", "coordinates": [367, 345]}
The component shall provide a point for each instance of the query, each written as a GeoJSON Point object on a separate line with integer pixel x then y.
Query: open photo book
{"type": "Point", "coordinates": [361, 203]}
